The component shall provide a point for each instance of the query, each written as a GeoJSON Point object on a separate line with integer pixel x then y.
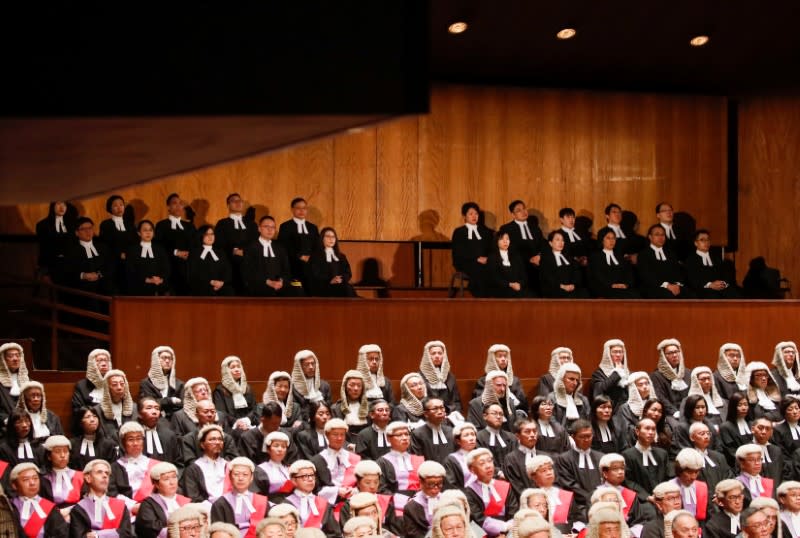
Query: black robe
{"type": "Point", "coordinates": [138, 269]}
{"type": "Point", "coordinates": [602, 276]}
{"type": "Point", "coordinates": [422, 443]}
{"type": "Point", "coordinates": [80, 523]}
{"type": "Point", "coordinates": [653, 273]}
{"type": "Point", "coordinates": [499, 276]}
{"type": "Point", "coordinates": [515, 472]}
{"type": "Point", "coordinates": [581, 482]}
{"type": "Point", "coordinates": [168, 407]}
{"type": "Point", "coordinates": [499, 452]}
{"type": "Point", "coordinates": [53, 245]}
{"type": "Point", "coordinates": [170, 444]}
{"type": "Point", "coordinates": [81, 397]}
{"type": "Point", "coordinates": [229, 238]}
{"type": "Point", "coordinates": [644, 479]}
{"type": "Point", "coordinates": [322, 272]}
{"type": "Point", "coordinates": [171, 240]}
{"type": "Point", "coordinates": [449, 395]}
{"type": "Point", "coordinates": [104, 449]}
{"type": "Point", "coordinates": [223, 401]}
{"type": "Point", "coordinates": [257, 269]}
{"type": "Point", "coordinates": [698, 275]}
{"type": "Point", "coordinates": [551, 277]}
{"type": "Point", "coordinates": [200, 273]}
{"type": "Point", "coordinates": [297, 245]}
{"type": "Point", "coordinates": [465, 255]}
{"type": "Point", "coordinates": [307, 443]}
{"type": "Point", "coordinates": [54, 525]}
{"type": "Point", "coordinates": [367, 444]}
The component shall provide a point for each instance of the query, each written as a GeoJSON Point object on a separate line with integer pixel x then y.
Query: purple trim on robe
{"type": "Point", "coordinates": [492, 526]}
{"type": "Point", "coordinates": [51, 477]}
{"type": "Point", "coordinates": [401, 476]}
{"type": "Point", "coordinates": [686, 506]}
{"type": "Point", "coordinates": [241, 519]}
{"type": "Point", "coordinates": [786, 517]}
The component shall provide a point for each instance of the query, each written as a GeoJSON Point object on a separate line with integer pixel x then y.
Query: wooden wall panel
{"type": "Point", "coordinates": [769, 178]}
{"type": "Point", "coordinates": [267, 333]}
{"type": "Point", "coordinates": [408, 178]}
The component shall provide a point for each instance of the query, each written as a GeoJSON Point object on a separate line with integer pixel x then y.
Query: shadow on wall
{"type": "Point", "coordinates": [428, 221]}
{"type": "Point", "coordinates": [140, 209]}
{"type": "Point", "coordinates": [199, 207]}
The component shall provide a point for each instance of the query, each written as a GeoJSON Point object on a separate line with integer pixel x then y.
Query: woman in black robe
{"type": "Point", "coordinates": [147, 264]}
{"type": "Point", "coordinates": [55, 233]}
{"type": "Point", "coordinates": [209, 270]}
{"type": "Point", "coordinates": [506, 273]}
{"type": "Point", "coordinates": [610, 274]}
{"type": "Point", "coordinates": [118, 233]}
{"type": "Point", "coordinates": [90, 441]}
{"type": "Point", "coordinates": [559, 277]}
{"type": "Point", "coordinates": [330, 270]}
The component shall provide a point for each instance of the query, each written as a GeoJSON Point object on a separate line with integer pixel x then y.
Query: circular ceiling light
{"type": "Point", "coordinates": [698, 41]}
{"type": "Point", "coordinates": [566, 33]}
{"type": "Point", "coordinates": [458, 27]}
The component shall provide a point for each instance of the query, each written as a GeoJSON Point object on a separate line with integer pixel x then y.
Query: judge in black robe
{"type": "Point", "coordinates": [506, 274]}
{"type": "Point", "coordinates": [610, 274]}
{"type": "Point", "coordinates": [330, 270]}
{"type": "Point", "coordinates": [265, 267]}
{"type": "Point", "coordinates": [527, 241]}
{"type": "Point", "coordinates": [54, 234]}
{"type": "Point", "coordinates": [559, 277]}
{"type": "Point", "coordinates": [118, 233]}
{"type": "Point", "coordinates": [147, 265]}
{"type": "Point", "coordinates": [300, 237]}
{"type": "Point", "coordinates": [233, 234]}
{"type": "Point", "coordinates": [176, 236]}
{"type": "Point", "coordinates": [54, 525]}
{"type": "Point", "coordinates": [80, 523]}
{"type": "Point", "coordinates": [661, 278]}
{"type": "Point", "coordinates": [209, 271]}
{"type": "Point", "coordinates": [471, 245]}
{"type": "Point", "coordinates": [706, 274]}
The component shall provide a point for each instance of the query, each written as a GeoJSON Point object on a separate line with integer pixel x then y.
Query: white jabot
{"type": "Point", "coordinates": [678, 384]}
{"type": "Point", "coordinates": [24, 451]}
{"type": "Point", "coordinates": [744, 429]}
{"type": "Point", "coordinates": [794, 429]}
{"type": "Point", "coordinates": [530, 453]}
{"type": "Point", "coordinates": [381, 437]}
{"type": "Point", "coordinates": [734, 523]}
{"type": "Point", "coordinates": [403, 461]}
{"type": "Point", "coordinates": [708, 459]}
{"type": "Point", "coordinates": [330, 255]}
{"type": "Point", "coordinates": [208, 250]}
{"type": "Point", "coordinates": [31, 504]}
{"type": "Point", "coordinates": [153, 440]}
{"type": "Point", "coordinates": [584, 459]}
{"type": "Point", "coordinates": [573, 237]}
{"type": "Point", "coordinates": [87, 448]}
{"type": "Point", "coordinates": [40, 428]}
{"type": "Point", "coordinates": [617, 231]}
{"type": "Point", "coordinates": [504, 256]}
{"type": "Point", "coordinates": [647, 456]}
{"type": "Point", "coordinates": [96, 395]}
{"type": "Point", "coordinates": [495, 437]}
{"type": "Point", "coordinates": [301, 226]}
{"type": "Point", "coordinates": [14, 390]}
{"type": "Point", "coordinates": [605, 433]}
{"type": "Point", "coordinates": [472, 232]}
{"type": "Point", "coordinates": [610, 258]}
{"type": "Point", "coordinates": [689, 494]}
{"type": "Point", "coordinates": [487, 490]}
{"type": "Point", "coordinates": [119, 223]}
{"type": "Point", "coordinates": [60, 228]}
{"type": "Point", "coordinates": [239, 401]}
{"type": "Point", "coordinates": [116, 410]}
{"type": "Point", "coordinates": [147, 249]}
{"type": "Point", "coordinates": [524, 229]}
{"type": "Point", "coordinates": [560, 259]}
{"type": "Point", "coordinates": [712, 409]}
{"type": "Point", "coordinates": [545, 429]}
{"type": "Point", "coordinates": [243, 501]}
{"type": "Point", "coordinates": [764, 401]}
{"type": "Point", "coordinates": [238, 222]}
{"type": "Point", "coordinates": [267, 244]}
{"type": "Point", "coordinates": [63, 484]}
{"type": "Point", "coordinates": [91, 252]}
{"type": "Point", "coordinates": [172, 503]}
{"type": "Point", "coordinates": [668, 229]}
{"type": "Point", "coordinates": [322, 441]}
{"type": "Point", "coordinates": [439, 437]}
{"type": "Point", "coordinates": [795, 518]}
{"type": "Point", "coordinates": [706, 257]}
{"type": "Point", "coordinates": [791, 382]}
{"type": "Point", "coordinates": [572, 409]}
{"type": "Point", "coordinates": [765, 454]}
{"type": "Point", "coordinates": [432, 504]}
{"type": "Point", "coordinates": [659, 253]}
{"type": "Point", "coordinates": [307, 505]}
{"type": "Point", "coordinates": [756, 487]}
{"type": "Point", "coordinates": [136, 469]}
{"type": "Point", "coordinates": [175, 222]}
{"type": "Point", "coordinates": [101, 505]}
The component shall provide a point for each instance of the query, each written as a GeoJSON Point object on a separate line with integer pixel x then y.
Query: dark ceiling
{"type": "Point", "coordinates": [97, 100]}
{"type": "Point", "coordinates": [621, 44]}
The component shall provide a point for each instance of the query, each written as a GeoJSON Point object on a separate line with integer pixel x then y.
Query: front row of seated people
{"type": "Point", "coordinates": [710, 442]}
{"type": "Point", "coordinates": [518, 261]}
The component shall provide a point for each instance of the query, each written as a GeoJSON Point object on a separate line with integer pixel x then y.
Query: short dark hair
{"type": "Point", "coordinates": [518, 425]}
{"type": "Point", "coordinates": [297, 200]}
{"type": "Point", "coordinates": [427, 400]}
{"type": "Point", "coordinates": [554, 233]}
{"type": "Point", "coordinates": [375, 403]}
{"type": "Point", "coordinates": [271, 409]}
{"type": "Point", "coordinates": [611, 206]}
{"type": "Point", "coordinates": [265, 217]}
{"type": "Point", "coordinates": [578, 425]}
{"type": "Point", "coordinates": [747, 513]}
{"type": "Point", "coordinates": [565, 211]}
{"type": "Point", "coordinates": [231, 195]}
{"type": "Point", "coordinates": [143, 222]}
{"type": "Point", "coordinates": [653, 227]}
{"type": "Point", "coordinates": [171, 196]}
{"type": "Point", "coordinates": [488, 406]}
{"type": "Point", "coordinates": [658, 206]}
{"type": "Point", "coordinates": [604, 231]}
{"type": "Point", "coordinates": [143, 399]}
{"type": "Point", "coordinates": [514, 204]}
{"type": "Point", "coordinates": [469, 205]}
{"type": "Point", "coordinates": [701, 231]}
{"type": "Point", "coordinates": [111, 200]}
{"type": "Point", "coordinates": [83, 220]}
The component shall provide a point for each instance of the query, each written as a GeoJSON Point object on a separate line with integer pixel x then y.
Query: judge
{"type": "Point", "coordinates": [116, 407]}
{"type": "Point", "coordinates": [240, 506]}
{"type": "Point", "coordinates": [671, 378]}
{"type": "Point", "coordinates": [32, 401]}
{"type": "Point", "coordinates": [465, 436]}
{"type": "Point", "coordinates": [570, 403]}
{"type": "Point", "coordinates": [471, 244]}
{"type": "Point", "coordinates": [233, 395]}
{"type": "Point", "coordinates": [33, 514]}
{"type": "Point", "coordinates": [161, 381]}
{"type": "Point", "coordinates": [299, 237]}
{"type": "Point", "coordinates": [279, 391]}
{"type": "Point", "coordinates": [307, 385]}
{"type": "Point", "coordinates": [558, 357]}
{"type": "Point", "coordinates": [439, 380]}
{"type": "Point", "coordinates": [412, 392]}
{"type": "Point", "coordinates": [207, 479]}
{"type": "Point", "coordinates": [129, 474]}
{"type": "Point", "coordinates": [420, 510]}
{"type": "Point", "coordinates": [611, 376]}
{"type": "Point", "coordinates": [786, 371]}
{"type": "Point", "coordinates": [89, 390]}
{"type": "Point", "coordinates": [731, 373]}
{"type": "Point", "coordinates": [399, 469]}
{"type": "Point", "coordinates": [495, 392]}
{"type": "Point", "coordinates": [315, 511]}
{"type": "Point", "coordinates": [176, 235]}
{"type": "Point", "coordinates": [370, 364]}
{"type": "Point", "coordinates": [13, 374]}
{"type": "Point", "coordinates": [265, 265]}
{"type": "Point", "coordinates": [490, 503]}
{"type": "Point", "coordinates": [498, 357]}
{"type": "Point", "coordinates": [209, 271]}
{"type": "Point", "coordinates": [272, 476]}
{"type": "Point", "coordinates": [335, 465]}
{"type": "Point", "coordinates": [353, 406]}
{"type": "Point", "coordinates": [97, 511]}
{"type": "Point", "coordinates": [154, 511]}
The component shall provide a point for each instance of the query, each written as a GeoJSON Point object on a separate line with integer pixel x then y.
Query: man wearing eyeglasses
{"type": "Point", "coordinates": [434, 439]}
{"type": "Point", "coordinates": [420, 509]}
{"type": "Point", "coordinates": [240, 506]}
{"type": "Point", "coordinates": [755, 523]}
{"type": "Point", "coordinates": [87, 264]}
{"type": "Point", "coordinates": [789, 498]}
{"type": "Point", "coordinates": [666, 497]}
{"type": "Point", "coordinates": [315, 512]}
{"type": "Point", "coordinates": [671, 378]}
{"type": "Point", "coordinates": [726, 523]}
{"type": "Point", "coordinates": [750, 458]}
{"type": "Point", "coordinates": [490, 504]}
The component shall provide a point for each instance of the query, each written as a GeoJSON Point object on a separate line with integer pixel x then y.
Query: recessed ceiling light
{"type": "Point", "coordinates": [566, 33]}
{"type": "Point", "coordinates": [458, 27]}
{"type": "Point", "coordinates": [699, 41]}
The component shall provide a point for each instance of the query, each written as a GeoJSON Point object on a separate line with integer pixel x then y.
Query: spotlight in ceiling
{"type": "Point", "coordinates": [458, 27]}
{"type": "Point", "coordinates": [698, 41]}
{"type": "Point", "coordinates": [566, 33]}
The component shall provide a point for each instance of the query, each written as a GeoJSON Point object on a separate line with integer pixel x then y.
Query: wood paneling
{"type": "Point", "coordinates": [267, 333]}
{"type": "Point", "coordinates": [769, 184]}
{"type": "Point", "coordinates": [408, 178]}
